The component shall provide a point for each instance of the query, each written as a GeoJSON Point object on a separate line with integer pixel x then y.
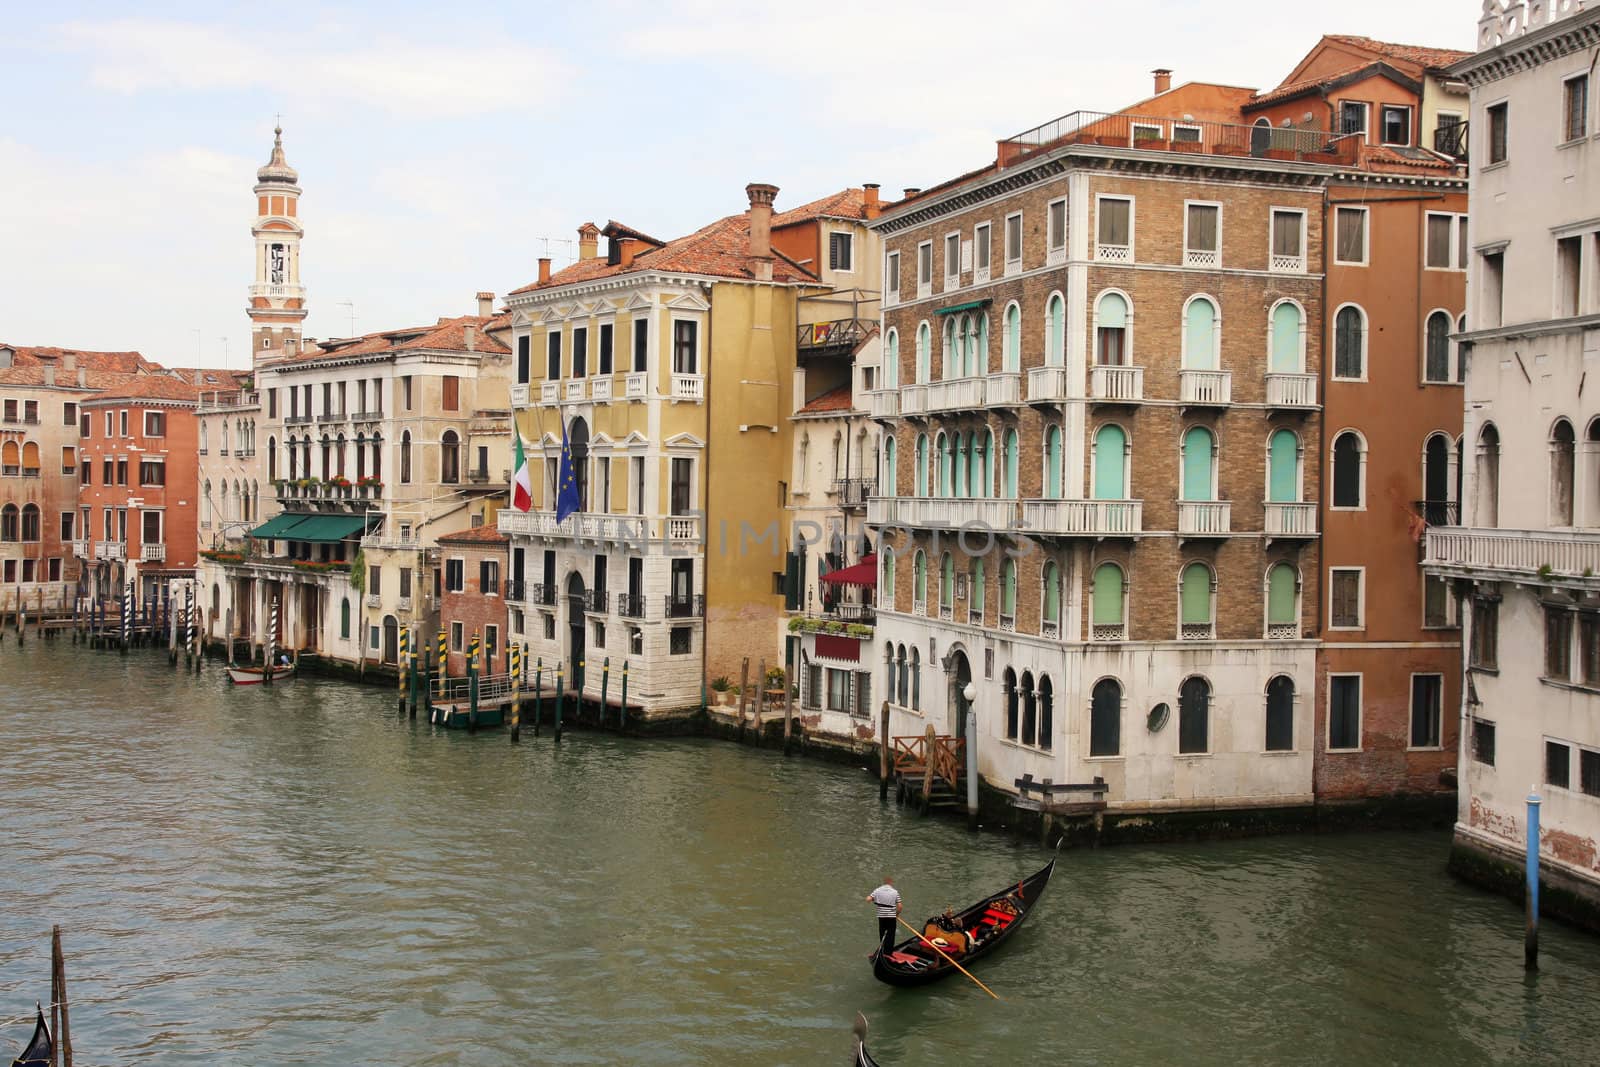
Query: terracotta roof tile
{"type": "Point", "coordinates": [477, 535]}
{"type": "Point", "coordinates": [147, 387]}
{"type": "Point", "coordinates": [1294, 89]}
{"type": "Point", "coordinates": [449, 335]}
{"type": "Point", "coordinates": [1431, 58]}
{"type": "Point", "coordinates": [614, 228]}
{"type": "Point", "coordinates": [845, 204]}
{"type": "Point", "coordinates": [835, 399]}
{"type": "Point", "coordinates": [115, 362]}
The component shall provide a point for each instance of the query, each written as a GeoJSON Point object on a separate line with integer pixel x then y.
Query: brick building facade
{"type": "Point", "coordinates": [472, 597]}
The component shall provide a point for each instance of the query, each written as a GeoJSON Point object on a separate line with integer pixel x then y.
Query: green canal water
{"type": "Point", "coordinates": [297, 876]}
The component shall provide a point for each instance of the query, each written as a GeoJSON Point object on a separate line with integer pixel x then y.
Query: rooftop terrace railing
{"type": "Point", "coordinates": [1168, 134]}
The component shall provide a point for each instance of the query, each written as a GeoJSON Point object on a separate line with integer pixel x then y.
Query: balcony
{"type": "Point", "coordinates": [1047, 385]}
{"type": "Point", "coordinates": [296, 420]}
{"type": "Point", "coordinates": [1083, 518]}
{"type": "Point", "coordinates": [514, 590]}
{"type": "Point", "coordinates": [110, 550]}
{"type": "Point", "coordinates": [596, 601]}
{"type": "Point", "coordinates": [1292, 391]}
{"type": "Point", "coordinates": [80, 549]}
{"type": "Point", "coordinates": [153, 553]}
{"type": "Point", "coordinates": [855, 492]}
{"type": "Point", "coordinates": [370, 416]}
{"type": "Point", "coordinates": [683, 528]}
{"type": "Point", "coordinates": [1451, 141]}
{"type": "Point", "coordinates": [584, 526]}
{"type": "Point", "coordinates": [634, 386]}
{"type": "Point", "coordinates": [600, 390]}
{"type": "Point", "coordinates": [1290, 520]}
{"type": "Point", "coordinates": [479, 477]}
{"type": "Point", "coordinates": [543, 594]}
{"type": "Point", "coordinates": [684, 607]}
{"type": "Point", "coordinates": [1278, 263]}
{"type": "Point", "coordinates": [883, 403]}
{"type": "Point", "coordinates": [913, 400]}
{"type": "Point", "coordinates": [1003, 388]}
{"type": "Point", "coordinates": [403, 604]}
{"type": "Point", "coordinates": [942, 512]}
{"type": "Point", "coordinates": [630, 605]}
{"type": "Point", "coordinates": [573, 390]}
{"type": "Point", "coordinates": [837, 337]}
{"type": "Point", "coordinates": [1116, 385]}
{"type": "Point", "coordinates": [1569, 559]}
{"type": "Point", "coordinates": [331, 417]}
{"type": "Point", "coordinates": [1438, 512]}
{"type": "Point", "coordinates": [1108, 631]}
{"type": "Point", "coordinates": [1204, 518]}
{"type": "Point", "coordinates": [1203, 258]}
{"type": "Point", "coordinates": [374, 600]}
{"type": "Point", "coordinates": [519, 396]}
{"type": "Point", "coordinates": [688, 387]}
{"type": "Point", "coordinates": [957, 394]}
{"type": "Point", "coordinates": [549, 392]}
{"type": "Point", "coordinates": [1109, 253]}
{"type": "Point", "coordinates": [1205, 388]}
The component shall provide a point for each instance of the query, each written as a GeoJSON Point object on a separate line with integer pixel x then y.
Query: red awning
{"type": "Point", "coordinates": [863, 573]}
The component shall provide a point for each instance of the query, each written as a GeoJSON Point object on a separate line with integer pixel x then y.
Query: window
{"type": "Point", "coordinates": [122, 471]}
{"type": "Point", "coordinates": [1287, 339]}
{"type": "Point", "coordinates": [1105, 719]}
{"type": "Point", "coordinates": [1111, 331]}
{"type": "Point", "coordinates": [1344, 604]}
{"type": "Point", "coordinates": [1446, 244]}
{"type": "Point", "coordinates": [405, 582]}
{"type": "Point", "coordinates": [374, 580]}
{"type": "Point", "coordinates": [680, 641]}
{"type": "Point", "coordinates": [1427, 705]}
{"type": "Point", "coordinates": [489, 577]}
{"type": "Point", "coordinates": [1008, 591]}
{"type": "Point", "coordinates": [1280, 714]}
{"type": "Point", "coordinates": [451, 393]}
{"type": "Point", "coordinates": [69, 414]}
{"type": "Point", "coordinates": [1557, 643]}
{"type": "Point", "coordinates": [1557, 765]}
{"type": "Point", "coordinates": [1483, 741]}
{"type": "Point", "coordinates": [1436, 603]}
{"type": "Point", "coordinates": [1283, 603]}
{"type": "Point", "coordinates": [891, 277]}
{"type": "Point", "coordinates": [952, 260]}
{"type": "Point", "coordinates": [1194, 716]}
{"type": "Point", "coordinates": [1050, 615]}
{"type": "Point", "coordinates": [1588, 645]}
{"type": "Point", "coordinates": [685, 346]}
{"type": "Point", "coordinates": [1589, 772]}
{"type": "Point", "coordinates": [122, 423]}
{"type": "Point", "coordinates": [450, 458]}
{"type": "Point", "coordinates": [1492, 308]}
{"type": "Point", "coordinates": [405, 391]}
{"type": "Point", "coordinates": [1352, 117]}
{"type": "Point", "coordinates": [981, 240]}
{"type": "Point", "coordinates": [1344, 712]}
{"type": "Point", "coordinates": [1485, 650]}
{"type": "Point", "coordinates": [457, 633]}
{"type": "Point", "coordinates": [1569, 275]}
{"type": "Point", "coordinates": [641, 344]}
{"type": "Point", "coordinates": [1195, 602]}
{"type": "Point", "coordinates": [1055, 331]}
{"type": "Point", "coordinates": [1575, 107]}
{"type": "Point", "coordinates": [69, 520]}
{"type": "Point", "coordinates": [838, 695]}
{"type": "Point", "coordinates": [1013, 243]}
{"type": "Point", "coordinates": [1350, 235]}
{"type": "Point", "coordinates": [552, 357]}
{"type": "Point", "coordinates": [1201, 334]}
{"type": "Point", "coordinates": [1108, 608]}
{"type": "Point", "coordinates": [152, 472]}
{"type": "Point", "coordinates": [1114, 229]}
{"type": "Point", "coordinates": [31, 523]}
{"type": "Point", "coordinates": [1202, 235]}
{"type": "Point", "coordinates": [1396, 124]}
{"type": "Point", "coordinates": [841, 251]}
{"type": "Point", "coordinates": [1562, 462]}
{"type": "Point", "coordinates": [1199, 465]}
{"type": "Point", "coordinates": [1056, 235]}
{"type": "Point", "coordinates": [580, 351]}
{"type": "Point", "coordinates": [524, 360]}
{"type": "Point", "coordinates": [924, 268]}
{"type": "Point", "coordinates": [1350, 343]}
{"type": "Point", "coordinates": [69, 459]}
{"type": "Point", "coordinates": [1499, 123]}
{"type": "Point", "coordinates": [1288, 240]}
{"type": "Point", "coordinates": [1436, 348]}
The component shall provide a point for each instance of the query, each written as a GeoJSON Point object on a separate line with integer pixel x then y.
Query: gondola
{"type": "Point", "coordinates": [254, 675]}
{"type": "Point", "coordinates": [40, 1049]}
{"type": "Point", "coordinates": [964, 936]}
{"type": "Point", "coordinates": [862, 1057]}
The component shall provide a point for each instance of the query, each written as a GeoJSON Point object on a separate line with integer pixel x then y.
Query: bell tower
{"type": "Point", "coordinates": [277, 299]}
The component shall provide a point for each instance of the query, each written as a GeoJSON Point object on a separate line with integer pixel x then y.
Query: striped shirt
{"type": "Point", "coordinates": [887, 898]}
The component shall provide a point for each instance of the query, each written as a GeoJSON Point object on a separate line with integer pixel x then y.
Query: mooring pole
{"type": "Point", "coordinates": [538, 696]}
{"type": "Point", "coordinates": [516, 694]}
{"type": "Point", "coordinates": [761, 696]}
{"type": "Point", "coordinates": [411, 680]}
{"type": "Point", "coordinates": [127, 615]}
{"type": "Point", "coordinates": [472, 683]}
{"type": "Point", "coordinates": [744, 692]}
{"type": "Point", "coordinates": [622, 709]}
{"type": "Point", "coordinates": [972, 770]}
{"type": "Point", "coordinates": [1530, 937]}
{"type": "Point", "coordinates": [405, 660]}
{"type": "Point", "coordinates": [788, 709]}
{"type": "Point", "coordinates": [883, 752]}
{"type": "Point", "coordinates": [558, 701]}
{"type": "Point", "coordinates": [605, 678]}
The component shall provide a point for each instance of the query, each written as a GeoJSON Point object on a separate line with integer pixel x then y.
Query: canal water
{"type": "Point", "coordinates": [297, 876]}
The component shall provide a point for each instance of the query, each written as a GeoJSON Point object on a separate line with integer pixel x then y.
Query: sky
{"type": "Point", "coordinates": [443, 148]}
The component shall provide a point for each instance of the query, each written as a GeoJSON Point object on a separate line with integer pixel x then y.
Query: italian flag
{"type": "Point", "coordinates": [521, 481]}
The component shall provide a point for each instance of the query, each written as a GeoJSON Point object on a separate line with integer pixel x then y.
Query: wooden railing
{"type": "Point", "coordinates": [945, 754]}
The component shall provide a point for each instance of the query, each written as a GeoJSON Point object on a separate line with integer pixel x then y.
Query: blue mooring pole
{"type": "Point", "coordinates": [1530, 936]}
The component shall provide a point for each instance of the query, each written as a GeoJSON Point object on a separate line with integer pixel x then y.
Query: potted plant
{"type": "Point", "coordinates": [369, 486]}
{"type": "Point", "coordinates": [724, 690]}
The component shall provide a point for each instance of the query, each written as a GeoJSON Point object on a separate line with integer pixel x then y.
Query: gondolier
{"type": "Point", "coordinates": [887, 899]}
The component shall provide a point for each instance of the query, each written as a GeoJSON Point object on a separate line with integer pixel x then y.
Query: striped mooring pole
{"type": "Point", "coordinates": [472, 681]}
{"type": "Point", "coordinates": [127, 615]}
{"type": "Point", "coordinates": [188, 626]}
{"type": "Point", "coordinates": [515, 666]}
{"type": "Point", "coordinates": [405, 659]}
{"type": "Point", "coordinates": [272, 642]}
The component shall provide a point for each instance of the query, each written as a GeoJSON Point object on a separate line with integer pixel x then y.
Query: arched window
{"type": "Point", "coordinates": [30, 459]}
{"type": "Point", "coordinates": [1050, 610]}
{"type": "Point", "coordinates": [1283, 603]}
{"type": "Point", "coordinates": [890, 482]}
{"type": "Point", "coordinates": [919, 583]}
{"type": "Point", "coordinates": [327, 457]}
{"type": "Point", "coordinates": [1563, 460]}
{"type": "Point", "coordinates": [405, 457]}
{"type": "Point", "coordinates": [1349, 470]}
{"type": "Point", "coordinates": [10, 459]}
{"type": "Point", "coordinates": [916, 679]}
{"type": "Point", "coordinates": [1008, 593]}
{"type": "Point", "coordinates": [1047, 711]}
{"type": "Point", "coordinates": [947, 587]}
{"type": "Point", "coordinates": [1009, 463]}
{"type": "Point", "coordinates": [344, 619]}
{"type": "Point", "coordinates": [338, 455]}
{"type": "Point", "coordinates": [1105, 718]}
{"type": "Point", "coordinates": [1052, 463]}
{"type": "Point", "coordinates": [1011, 344]}
{"type": "Point", "coordinates": [888, 668]}
{"type": "Point", "coordinates": [1350, 343]}
{"type": "Point", "coordinates": [977, 464]}
{"type": "Point", "coordinates": [921, 471]}
{"type": "Point", "coordinates": [30, 522]}
{"type": "Point", "coordinates": [924, 354]}
{"type": "Point", "coordinates": [1195, 602]}
{"type": "Point", "coordinates": [981, 360]}
{"type": "Point", "coordinates": [293, 467]}
{"type": "Point", "coordinates": [1199, 464]}
{"type": "Point", "coordinates": [902, 677]}
{"type": "Point", "coordinates": [975, 592]}
{"type": "Point", "coordinates": [941, 449]}
{"type": "Point", "coordinates": [1108, 610]}
{"type": "Point", "coordinates": [1436, 503]}
{"type": "Point", "coordinates": [1194, 715]}
{"type": "Point", "coordinates": [1030, 710]}
{"type": "Point", "coordinates": [1200, 334]}
{"type": "Point", "coordinates": [950, 364]}
{"type": "Point", "coordinates": [10, 523]}
{"type": "Point", "coordinates": [450, 457]}
{"type": "Point", "coordinates": [1111, 330]}
{"type": "Point", "coordinates": [272, 459]}
{"type": "Point", "coordinates": [891, 359]}
{"type": "Point", "coordinates": [1055, 331]}
{"type": "Point", "coordinates": [1489, 476]}
{"type": "Point", "coordinates": [1283, 467]}
{"type": "Point", "coordinates": [1288, 339]}
{"type": "Point", "coordinates": [886, 582]}
{"type": "Point", "coordinates": [1280, 714]}
{"type": "Point", "coordinates": [1013, 705]}
{"type": "Point", "coordinates": [988, 461]}
{"type": "Point", "coordinates": [1110, 463]}
{"type": "Point", "coordinates": [1436, 348]}
{"type": "Point", "coordinates": [1461, 356]}
{"type": "Point", "coordinates": [959, 475]}
{"type": "Point", "coordinates": [205, 437]}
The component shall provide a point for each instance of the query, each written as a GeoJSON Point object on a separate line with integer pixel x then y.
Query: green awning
{"type": "Point", "coordinates": [968, 306]}
{"type": "Point", "coordinates": [277, 528]}
{"type": "Point", "coordinates": [326, 529]}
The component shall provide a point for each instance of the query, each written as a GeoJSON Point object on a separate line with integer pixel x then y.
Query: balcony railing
{"type": "Point", "coordinates": [624, 529]}
{"type": "Point", "coordinates": [1160, 133]}
{"type": "Point", "coordinates": [519, 396]}
{"type": "Point", "coordinates": [630, 605]}
{"type": "Point", "coordinates": [110, 550]}
{"type": "Point", "coordinates": [634, 386]}
{"type": "Point", "coordinates": [596, 601]}
{"type": "Point", "coordinates": [1291, 390]}
{"type": "Point", "coordinates": [403, 604]}
{"type": "Point", "coordinates": [1545, 556]}
{"type": "Point", "coordinates": [543, 594]}
{"type": "Point", "coordinates": [1279, 263]}
{"type": "Point", "coordinates": [1108, 631]}
{"type": "Point", "coordinates": [374, 600]}
{"type": "Point", "coordinates": [153, 553]}
{"type": "Point", "coordinates": [883, 403]}
{"type": "Point", "coordinates": [80, 548]}
{"type": "Point", "coordinates": [957, 394]}
{"type": "Point", "coordinates": [1205, 386]}
{"type": "Point", "coordinates": [1088, 518]}
{"type": "Point", "coordinates": [1002, 388]}
{"type": "Point", "coordinates": [573, 390]}
{"type": "Point", "coordinates": [1438, 512]}
{"type": "Point", "coordinates": [683, 527]}
{"type": "Point", "coordinates": [1116, 385]}
{"type": "Point", "coordinates": [367, 416]}
{"type": "Point", "coordinates": [690, 387]}
{"type": "Point", "coordinates": [1451, 141]}
{"type": "Point", "coordinates": [836, 335]}
{"type": "Point", "coordinates": [600, 390]}
{"type": "Point", "coordinates": [1204, 518]}
{"type": "Point", "coordinates": [942, 512]}
{"type": "Point", "coordinates": [913, 399]}
{"type": "Point", "coordinates": [549, 392]}
{"type": "Point", "coordinates": [854, 492]}
{"type": "Point", "coordinates": [1290, 519]}
{"type": "Point", "coordinates": [1047, 384]}
{"type": "Point", "coordinates": [296, 420]}
{"type": "Point", "coordinates": [514, 590]}
{"type": "Point", "coordinates": [684, 607]}
{"type": "Point", "coordinates": [331, 416]}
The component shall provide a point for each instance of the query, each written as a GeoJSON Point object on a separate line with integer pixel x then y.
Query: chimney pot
{"type": "Point", "coordinates": [1163, 79]}
{"type": "Point", "coordinates": [761, 197]}
{"type": "Point", "coordinates": [544, 269]}
{"type": "Point", "coordinates": [870, 195]}
{"type": "Point", "coordinates": [588, 241]}
{"type": "Point", "coordinates": [912, 190]}
{"type": "Point", "coordinates": [470, 333]}
{"type": "Point", "coordinates": [485, 305]}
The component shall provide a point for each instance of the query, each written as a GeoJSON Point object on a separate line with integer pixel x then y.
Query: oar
{"type": "Point", "coordinates": [948, 960]}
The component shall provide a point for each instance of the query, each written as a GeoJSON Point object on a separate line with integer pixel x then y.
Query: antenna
{"type": "Point", "coordinates": [224, 340]}
{"type": "Point", "coordinates": [352, 306]}
{"type": "Point", "coordinates": [566, 244]}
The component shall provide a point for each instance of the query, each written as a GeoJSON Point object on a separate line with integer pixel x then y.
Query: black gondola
{"type": "Point", "coordinates": [964, 936]}
{"type": "Point", "coordinates": [862, 1057]}
{"type": "Point", "coordinates": [37, 1054]}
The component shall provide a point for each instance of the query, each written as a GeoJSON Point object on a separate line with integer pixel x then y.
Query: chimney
{"type": "Point", "coordinates": [486, 305]}
{"type": "Point", "coordinates": [761, 197]}
{"type": "Point", "coordinates": [83, 377]}
{"type": "Point", "coordinates": [627, 248]}
{"type": "Point", "coordinates": [288, 346]}
{"type": "Point", "coordinates": [69, 360]}
{"type": "Point", "coordinates": [470, 334]}
{"type": "Point", "coordinates": [912, 190]}
{"type": "Point", "coordinates": [544, 269]}
{"type": "Point", "coordinates": [1163, 80]}
{"type": "Point", "coordinates": [870, 194]}
{"type": "Point", "coordinates": [588, 241]}
{"type": "Point", "coordinates": [49, 374]}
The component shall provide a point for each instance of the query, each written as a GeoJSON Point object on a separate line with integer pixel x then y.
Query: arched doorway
{"type": "Point", "coordinates": [961, 677]}
{"type": "Point", "coordinates": [575, 624]}
{"type": "Point", "coordinates": [1260, 137]}
{"type": "Point", "coordinates": [391, 640]}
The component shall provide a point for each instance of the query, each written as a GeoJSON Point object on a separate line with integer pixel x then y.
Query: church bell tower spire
{"type": "Point", "coordinates": [277, 299]}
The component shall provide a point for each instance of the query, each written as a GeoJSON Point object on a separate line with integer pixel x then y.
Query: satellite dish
{"type": "Point", "coordinates": [1158, 717]}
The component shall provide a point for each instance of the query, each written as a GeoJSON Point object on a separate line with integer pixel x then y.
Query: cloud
{"type": "Point", "coordinates": [434, 80]}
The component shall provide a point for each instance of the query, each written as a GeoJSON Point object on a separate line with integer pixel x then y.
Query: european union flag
{"type": "Point", "coordinates": [567, 500]}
